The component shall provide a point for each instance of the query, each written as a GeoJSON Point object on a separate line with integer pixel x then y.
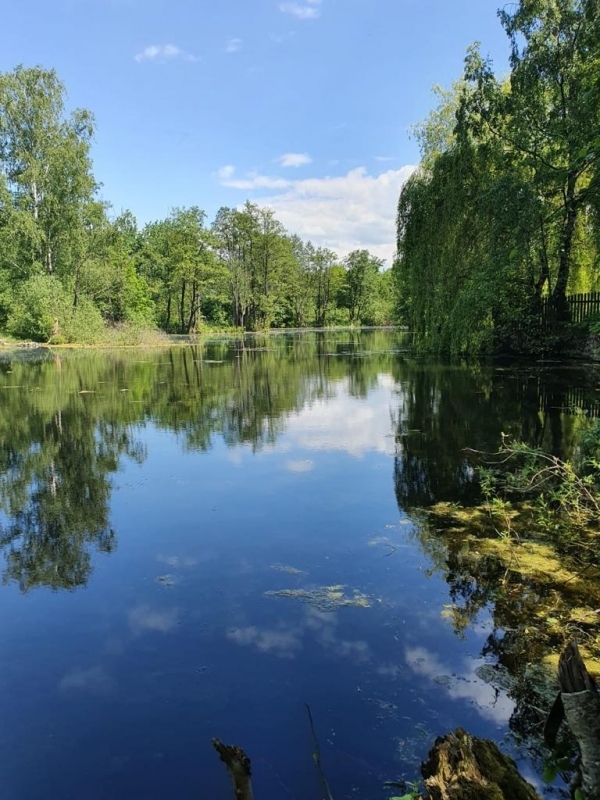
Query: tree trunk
{"type": "Point", "coordinates": [564, 263]}
{"type": "Point", "coordinates": [182, 309]}
{"type": "Point", "coordinates": [49, 264]}
{"type": "Point", "coordinates": [168, 321]}
{"type": "Point", "coordinates": [194, 308]}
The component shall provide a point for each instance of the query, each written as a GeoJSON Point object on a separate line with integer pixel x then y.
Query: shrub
{"type": "Point", "coordinates": [43, 311]}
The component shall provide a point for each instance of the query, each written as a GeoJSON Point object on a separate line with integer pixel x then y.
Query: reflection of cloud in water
{"type": "Point", "coordinates": [490, 703]}
{"type": "Point", "coordinates": [280, 643]}
{"type": "Point", "coordinates": [342, 422]}
{"type": "Point", "coordinates": [286, 641]}
{"type": "Point", "coordinates": [94, 681]}
{"type": "Point", "coordinates": [143, 618]}
{"type": "Point", "coordinates": [389, 671]}
{"type": "Point", "coordinates": [324, 626]}
{"type": "Point", "coordinates": [300, 466]}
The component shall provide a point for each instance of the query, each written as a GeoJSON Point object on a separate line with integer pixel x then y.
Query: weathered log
{"type": "Point", "coordinates": [462, 767]}
{"type": "Point", "coordinates": [239, 768]}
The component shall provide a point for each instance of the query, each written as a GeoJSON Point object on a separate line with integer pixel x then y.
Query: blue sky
{"type": "Point", "coordinates": [304, 105]}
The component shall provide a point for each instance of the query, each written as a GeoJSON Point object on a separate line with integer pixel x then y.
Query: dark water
{"type": "Point", "coordinates": [152, 500]}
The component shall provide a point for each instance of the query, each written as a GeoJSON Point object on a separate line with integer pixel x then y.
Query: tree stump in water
{"type": "Point", "coordinates": [579, 703]}
{"type": "Point", "coordinates": [462, 767]}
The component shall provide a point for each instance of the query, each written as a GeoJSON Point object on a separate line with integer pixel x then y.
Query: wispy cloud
{"type": "Point", "coordinates": [347, 212]}
{"type": "Point", "coordinates": [252, 180]}
{"type": "Point", "coordinates": [294, 159]}
{"type": "Point", "coordinates": [385, 158]}
{"type": "Point", "coordinates": [226, 172]}
{"type": "Point", "coordinates": [233, 45]}
{"type": "Point", "coordinates": [164, 52]}
{"type": "Point", "coordinates": [308, 9]}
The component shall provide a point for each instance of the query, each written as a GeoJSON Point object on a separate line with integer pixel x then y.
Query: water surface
{"type": "Point", "coordinates": [197, 541]}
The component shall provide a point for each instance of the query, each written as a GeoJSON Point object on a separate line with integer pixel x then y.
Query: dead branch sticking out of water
{"type": "Point", "coordinates": [238, 766]}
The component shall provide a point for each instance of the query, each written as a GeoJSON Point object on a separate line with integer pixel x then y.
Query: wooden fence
{"type": "Point", "coordinates": [581, 306]}
{"type": "Point", "coordinates": [578, 401]}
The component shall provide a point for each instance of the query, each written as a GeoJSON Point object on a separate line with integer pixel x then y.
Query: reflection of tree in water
{"type": "Point", "coordinates": [66, 422]}
{"type": "Point", "coordinates": [531, 604]}
{"type": "Point", "coordinates": [55, 491]}
{"type": "Point", "coordinates": [445, 410]}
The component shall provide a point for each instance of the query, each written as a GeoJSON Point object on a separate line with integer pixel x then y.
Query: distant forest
{"type": "Point", "coordinates": [69, 269]}
{"type": "Point", "coordinates": [502, 217]}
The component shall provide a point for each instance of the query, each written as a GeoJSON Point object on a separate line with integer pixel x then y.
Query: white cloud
{"type": "Point", "coordinates": [233, 45]}
{"type": "Point", "coordinates": [164, 52]}
{"type": "Point", "coordinates": [226, 172]}
{"type": "Point", "coordinates": [344, 213]}
{"type": "Point", "coordinates": [309, 9]}
{"type": "Point", "coordinates": [294, 159]}
{"type": "Point", "coordinates": [250, 181]}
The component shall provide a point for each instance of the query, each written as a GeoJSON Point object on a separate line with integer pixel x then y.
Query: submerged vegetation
{"type": "Point", "coordinates": [325, 598]}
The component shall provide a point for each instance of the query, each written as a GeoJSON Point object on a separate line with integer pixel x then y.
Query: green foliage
{"type": "Point", "coordinates": [503, 209]}
{"type": "Point", "coordinates": [40, 301]}
{"type": "Point", "coordinates": [43, 311]}
{"type": "Point", "coordinates": [68, 271]}
{"type": "Point", "coordinates": [561, 498]}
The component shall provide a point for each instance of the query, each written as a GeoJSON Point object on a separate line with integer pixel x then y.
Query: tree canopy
{"type": "Point", "coordinates": [503, 210]}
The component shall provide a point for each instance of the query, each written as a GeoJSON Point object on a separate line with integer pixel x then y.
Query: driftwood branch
{"type": "Point", "coordinates": [238, 766]}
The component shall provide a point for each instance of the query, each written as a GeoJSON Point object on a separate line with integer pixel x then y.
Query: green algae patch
{"type": "Point", "coordinates": [537, 585]}
{"type": "Point", "coordinates": [325, 598]}
{"type": "Point", "coordinates": [286, 568]}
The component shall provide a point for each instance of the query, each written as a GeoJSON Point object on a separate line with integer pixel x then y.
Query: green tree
{"type": "Point", "coordinates": [45, 158]}
{"type": "Point", "coordinates": [362, 270]}
{"type": "Point", "coordinates": [501, 211]}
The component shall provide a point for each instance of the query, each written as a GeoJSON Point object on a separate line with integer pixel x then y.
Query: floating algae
{"type": "Point", "coordinates": [325, 598]}
{"type": "Point", "coordinates": [289, 570]}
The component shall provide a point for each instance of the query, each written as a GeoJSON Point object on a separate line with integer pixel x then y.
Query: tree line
{"type": "Point", "coordinates": [503, 213]}
{"type": "Point", "coordinates": [69, 268]}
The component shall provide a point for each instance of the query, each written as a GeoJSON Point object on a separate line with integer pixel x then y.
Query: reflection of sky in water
{"type": "Point", "coordinates": [117, 689]}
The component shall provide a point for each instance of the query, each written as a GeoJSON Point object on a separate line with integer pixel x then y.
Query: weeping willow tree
{"type": "Point", "coordinates": [503, 209]}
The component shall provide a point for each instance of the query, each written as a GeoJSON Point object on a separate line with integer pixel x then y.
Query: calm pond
{"type": "Point", "coordinates": [197, 541]}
